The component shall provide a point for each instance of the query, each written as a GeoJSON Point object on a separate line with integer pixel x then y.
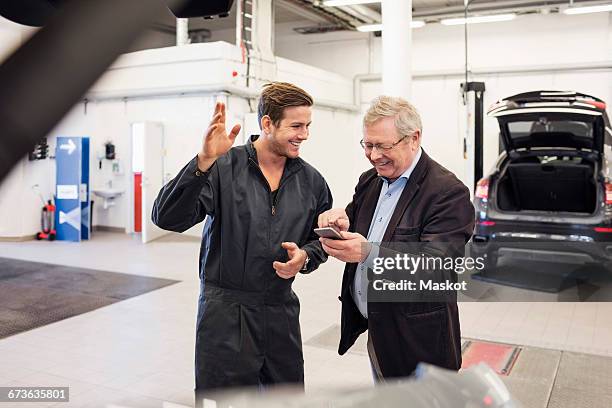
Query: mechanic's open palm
{"type": "Point", "coordinates": [216, 140]}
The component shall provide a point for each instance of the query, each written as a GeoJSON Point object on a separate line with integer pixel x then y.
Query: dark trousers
{"type": "Point", "coordinates": [245, 339]}
{"type": "Point", "coordinates": [376, 373]}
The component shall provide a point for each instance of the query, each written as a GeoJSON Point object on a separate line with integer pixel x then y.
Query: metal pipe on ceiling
{"type": "Point", "coordinates": [352, 16]}
{"type": "Point", "coordinates": [363, 14]}
{"type": "Point", "coordinates": [495, 6]}
{"type": "Point", "coordinates": [307, 12]}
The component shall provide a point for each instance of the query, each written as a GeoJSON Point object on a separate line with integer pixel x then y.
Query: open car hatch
{"type": "Point", "coordinates": [552, 119]}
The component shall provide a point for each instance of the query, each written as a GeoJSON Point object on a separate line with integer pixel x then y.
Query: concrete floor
{"type": "Point", "coordinates": [140, 351]}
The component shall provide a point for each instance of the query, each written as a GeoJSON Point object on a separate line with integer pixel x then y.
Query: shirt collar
{"type": "Point", "coordinates": [410, 169]}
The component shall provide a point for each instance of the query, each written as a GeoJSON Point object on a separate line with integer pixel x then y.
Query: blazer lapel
{"type": "Point", "coordinates": [410, 190]}
{"type": "Point", "coordinates": [364, 216]}
{"type": "Point", "coordinates": [366, 213]}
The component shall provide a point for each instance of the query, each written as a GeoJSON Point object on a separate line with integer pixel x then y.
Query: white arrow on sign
{"type": "Point", "coordinates": [73, 218]}
{"type": "Point", "coordinates": [70, 146]}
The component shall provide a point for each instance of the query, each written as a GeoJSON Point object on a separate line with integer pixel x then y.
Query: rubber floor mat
{"type": "Point", "coordinates": [34, 294]}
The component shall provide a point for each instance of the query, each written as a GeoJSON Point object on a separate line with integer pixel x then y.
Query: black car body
{"type": "Point", "coordinates": [549, 196]}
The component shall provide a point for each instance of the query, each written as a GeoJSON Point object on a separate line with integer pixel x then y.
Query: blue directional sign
{"type": "Point", "coordinates": [72, 188]}
{"type": "Point", "coordinates": [84, 190]}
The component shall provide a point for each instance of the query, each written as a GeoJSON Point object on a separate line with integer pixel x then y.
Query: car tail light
{"type": "Point", "coordinates": [608, 193]}
{"type": "Point", "coordinates": [487, 223]}
{"type": "Point", "coordinates": [482, 189]}
{"type": "Point", "coordinates": [602, 229]}
{"type": "Point", "coordinates": [597, 104]}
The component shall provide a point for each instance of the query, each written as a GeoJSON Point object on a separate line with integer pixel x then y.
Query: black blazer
{"type": "Point", "coordinates": [434, 207]}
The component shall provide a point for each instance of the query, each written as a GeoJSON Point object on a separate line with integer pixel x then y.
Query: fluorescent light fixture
{"type": "Point", "coordinates": [338, 3]}
{"type": "Point", "coordinates": [378, 27]}
{"type": "Point", "coordinates": [369, 27]}
{"type": "Point", "coordinates": [479, 19]}
{"type": "Point", "coordinates": [588, 9]}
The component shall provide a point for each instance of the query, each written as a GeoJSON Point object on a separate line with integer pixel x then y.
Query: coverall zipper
{"type": "Point", "coordinates": [272, 202]}
{"type": "Point", "coordinates": [254, 163]}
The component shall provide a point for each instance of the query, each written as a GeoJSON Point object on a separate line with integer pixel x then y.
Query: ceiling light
{"type": "Point", "coordinates": [369, 27]}
{"type": "Point", "coordinates": [378, 27]}
{"type": "Point", "coordinates": [338, 3]}
{"type": "Point", "coordinates": [588, 9]}
{"type": "Point", "coordinates": [478, 19]}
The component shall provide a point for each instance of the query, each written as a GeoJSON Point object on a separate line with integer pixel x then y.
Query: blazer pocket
{"type": "Point", "coordinates": [405, 237]}
{"type": "Point", "coordinates": [406, 231]}
{"type": "Point", "coordinates": [426, 335]}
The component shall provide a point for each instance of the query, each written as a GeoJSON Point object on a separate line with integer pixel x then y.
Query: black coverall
{"type": "Point", "coordinates": [248, 330]}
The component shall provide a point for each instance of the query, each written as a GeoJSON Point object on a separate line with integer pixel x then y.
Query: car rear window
{"type": "Point", "coordinates": [549, 132]}
{"type": "Point", "coordinates": [526, 128]}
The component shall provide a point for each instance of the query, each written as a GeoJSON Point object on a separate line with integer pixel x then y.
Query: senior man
{"type": "Point", "coordinates": [406, 197]}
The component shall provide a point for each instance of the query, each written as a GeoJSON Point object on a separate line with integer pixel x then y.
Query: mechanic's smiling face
{"type": "Point", "coordinates": [394, 162]}
{"type": "Point", "coordinates": [291, 132]}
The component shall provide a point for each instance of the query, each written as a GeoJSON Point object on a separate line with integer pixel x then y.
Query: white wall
{"type": "Point", "coordinates": [528, 40]}
{"type": "Point", "coordinates": [20, 206]}
{"type": "Point", "coordinates": [20, 203]}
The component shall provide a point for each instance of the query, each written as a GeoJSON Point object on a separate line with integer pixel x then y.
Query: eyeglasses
{"type": "Point", "coordinates": [380, 147]}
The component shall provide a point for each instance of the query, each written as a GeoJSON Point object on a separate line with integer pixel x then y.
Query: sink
{"type": "Point", "coordinates": [108, 194]}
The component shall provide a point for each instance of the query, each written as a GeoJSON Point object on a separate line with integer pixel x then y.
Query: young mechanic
{"type": "Point", "coordinates": [261, 203]}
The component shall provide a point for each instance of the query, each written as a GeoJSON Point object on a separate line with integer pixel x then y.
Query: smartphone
{"type": "Point", "coordinates": [328, 232]}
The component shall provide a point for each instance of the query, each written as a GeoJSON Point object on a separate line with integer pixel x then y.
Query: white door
{"type": "Point", "coordinates": [152, 174]}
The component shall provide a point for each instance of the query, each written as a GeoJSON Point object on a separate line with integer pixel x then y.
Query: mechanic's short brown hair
{"type": "Point", "coordinates": [276, 96]}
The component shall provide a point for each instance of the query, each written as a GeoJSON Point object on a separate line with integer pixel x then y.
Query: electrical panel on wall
{"type": "Point", "coordinates": [40, 151]}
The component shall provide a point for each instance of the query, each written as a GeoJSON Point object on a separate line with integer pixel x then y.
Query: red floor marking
{"type": "Point", "coordinates": [500, 357]}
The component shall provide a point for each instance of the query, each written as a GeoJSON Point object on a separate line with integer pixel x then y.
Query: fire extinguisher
{"type": "Point", "coordinates": [47, 219]}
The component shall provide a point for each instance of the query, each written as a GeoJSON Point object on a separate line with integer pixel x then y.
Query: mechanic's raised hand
{"type": "Point", "coordinates": [297, 258]}
{"type": "Point", "coordinates": [216, 140]}
{"type": "Point", "coordinates": [353, 248]}
{"type": "Point", "coordinates": [336, 218]}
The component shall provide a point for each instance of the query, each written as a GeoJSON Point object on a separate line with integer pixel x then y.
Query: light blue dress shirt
{"type": "Point", "coordinates": [387, 200]}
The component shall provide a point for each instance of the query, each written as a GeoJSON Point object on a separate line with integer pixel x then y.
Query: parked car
{"type": "Point", "coordinates": [549, 195]}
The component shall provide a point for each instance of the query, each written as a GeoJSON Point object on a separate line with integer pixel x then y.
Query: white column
{"type": "Point", "coordinates": [263, 27]}
{"type": "Point", "coordinates": [397, 47]}
{"type": "Point", "coordinates": [263, 66]}
{"type": "Point", "coordinates": [182, 31]}
{"type": "Point", "coordinates": [239, 23]}
{"type": "Point", "coordinates": [609, 42]}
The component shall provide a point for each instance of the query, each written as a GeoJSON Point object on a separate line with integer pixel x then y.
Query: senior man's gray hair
{"type": "Point", "coordinates": [407, 119]}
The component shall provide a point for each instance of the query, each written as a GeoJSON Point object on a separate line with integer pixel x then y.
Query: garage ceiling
{"type": "Point", "coordinates": [435, 3]}
{"type": "Point", "coordinates": [311, 11]}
